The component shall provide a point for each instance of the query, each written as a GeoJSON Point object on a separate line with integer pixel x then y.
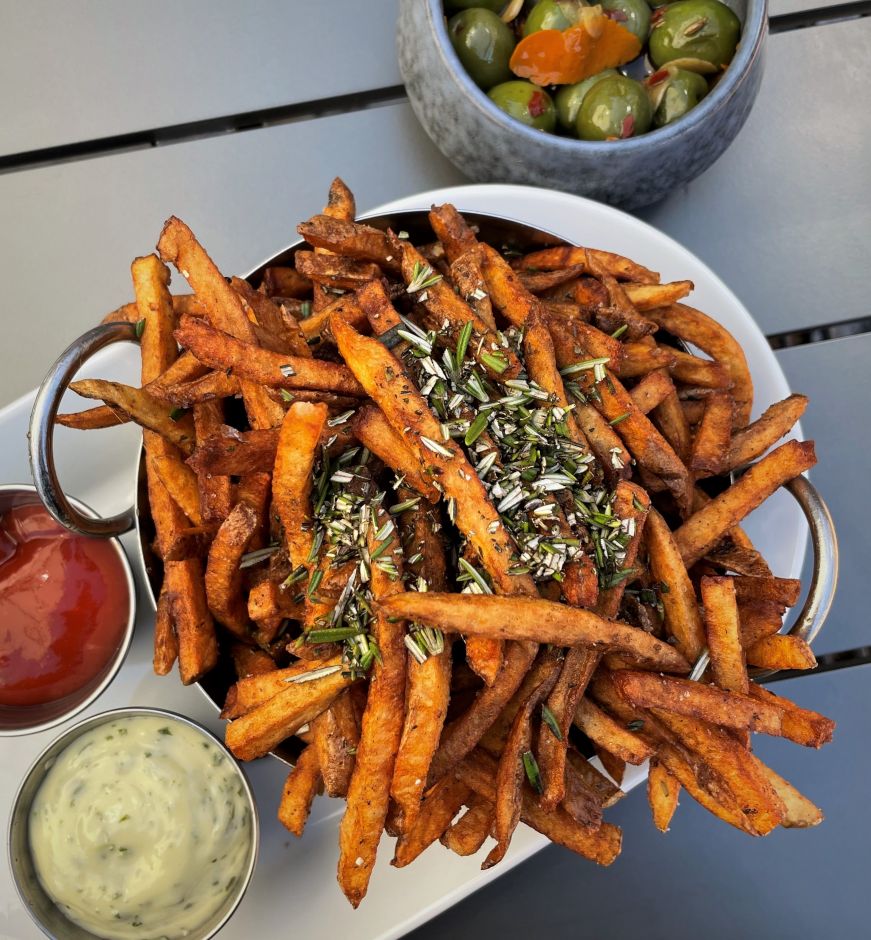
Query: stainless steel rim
{"type": "Point", "coordinates": [41, 433]}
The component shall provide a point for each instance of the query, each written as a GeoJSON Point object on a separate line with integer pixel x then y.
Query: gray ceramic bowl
{"type": "Point", "coordinates": [40, 906]}
{"type": "Point", "coordinates": [489, 146]}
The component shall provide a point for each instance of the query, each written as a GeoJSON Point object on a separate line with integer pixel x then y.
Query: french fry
{"type": "Point", "coordinates": [710, 445]}
{"type": "Point", "coordinates": [268, 316]}
{"type": "Point", "coordinates": [197, 643]}
{"type": "Point", "coordinates": [262, 366]}
{"type": "Point", "coordinates": [799, 811]}
{"type": "Point", "coordinates": [142, 408]}
{"type": "Point", "coordinates": [683, 620]}
{"type": "Point", "coordinates": [651, 296]}
{"type": "Point", "coordinates": [781, 652]}
{"type": "Point", "coordinates": [441, 805]}
{"type": "Point", "coordinates": [723, 634]}
{"type": "Point", "coordinates": [336, 737]}
{"type": "Point", "coordinates": [619, 314]}
{"type": "Point", "coordinates": [668, 416]}
{"type": "Point", "coordinates": [103, 416]}
{"type": "Point", "coordinates": [604, 731]}
{"type": "Point", "coordinates": [224, 576]}
{"type": "Point", "coordinates": [165, 640]}
{"type": "Point", "coordinates": [518, 618]}
{"type": "Point", "coordinates": [711, 337]}
{"type": "Point", "coordinates": [726, 709]}
{"type": "Point", "coordinates": [335, 271]}
{"type": "Point", "coordinates": [550, 259]}
{"type": "Point", "coordinates": [614, 766]}
{"type": "Point", "coordinates": [707, 526]}
{"type": "Point", "coordinates": [466, 273]}
{"type": "Point", "coordinates": [701, 373]}
{"type": "Point", "coordinates": [248, 661]}
{"type": "Point", "coordinates": [207, 387]}
{"type": "Point", "coordinates": [216, 491]}
{"type": "Point", "coordinates": [282, 281]}
{"type": "Point", "coordinates": [652, 390]}
{"type": "Point", "coordinates": [758, 620]}
{"type": "Point", "coordinates": [350, 239]}
{"type": "Point", "coordinates": [187, 368]}
{"type": "Point", "coordinates": [265, 726]}
{"type": "Point", "coordinates": [181, 484]}
{"type": "Point", "coordinates": [255, 689]}
{"type": "Point", "coordinates": [663, 791]}
{"type": "Point", "coordinates": [300, 789]}
{"type": "Point", "coordinates": [640, 359]}
{"type": "Point", "coordinates": [754, 440]}
{"type": "Point", "coordinates": [600, 845]}
{"type": "Point", "coordinates": [506, 290]}
{"type": "Point", "coordinates": [369, 791]}
{"type": "Point", "coordinates": [798, 723]}
{"type": "Point", "coordinates": [782, 591]}
{"type": "Point", "coordinates": [470, 831]}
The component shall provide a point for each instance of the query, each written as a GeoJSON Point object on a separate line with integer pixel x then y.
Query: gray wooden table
{"type": "Point", "coordinates": [235, 117]}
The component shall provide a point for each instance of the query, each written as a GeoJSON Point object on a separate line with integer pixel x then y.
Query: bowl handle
{"type": "Point", "coordinates": [40, 434]}
{"type": "Point", "coordinates": [824, 578]}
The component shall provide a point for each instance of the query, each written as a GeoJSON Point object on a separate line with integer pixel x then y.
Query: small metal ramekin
{"type": "Point", "coordinates": [45, 913]}
{"type": "Point", "coordinates": [28, 719]}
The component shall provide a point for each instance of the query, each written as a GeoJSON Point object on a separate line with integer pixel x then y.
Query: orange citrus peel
{"type": "Point", "coordinates": [562, 57]}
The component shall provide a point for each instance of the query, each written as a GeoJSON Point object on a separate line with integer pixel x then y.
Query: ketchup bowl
{"type": "Point", "coordinates": [162, 838]}
{"type": "Point", "coordinates": [67, 609]}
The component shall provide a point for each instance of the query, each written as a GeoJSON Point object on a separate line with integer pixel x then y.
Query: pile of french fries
{"type": "Point", "coordinates": [450, 511]}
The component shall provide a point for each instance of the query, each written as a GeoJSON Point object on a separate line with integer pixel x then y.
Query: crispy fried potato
{"type": "Point", "coordinates": [300, 789]}
{"type": "Point", "coordinates": [181, 484]}
{"type": "Point", "coordinates": [506, 290]}
{"type": "Point", "coordinates": [216, 490]}
{"type": "Point", "coordinates": [726, 709]}
{"type": "Point", "coordinates": [640, 359]}
{"type": "Point", "coordinates": [470, 831]}
{"type": "Point", "coordinates": [197, 643]}
{"type": "Point", "coordinates": [350, 239]}
{"type": "Point", "coordinates": [652, 390]}
{"type": "Point", "coordinates": [519, 618]}
{"type": "Point", "coordinates": [335, 271]}
{"type": "Point", "coordinates": [758, 620]}
{"type": "Point", "coordinates": [248, 661]}
{"type": "Point", "coordinates": [751, 442]}
{"type": "Point", "coordinates": [207, 387]}
{"type": "Point", "coordinates": [369, 792]}
{"type": "Point", "coordinates": [701, 373]}
{"type": "Point", "coordinates": [223, 574]}
{"type": "Point", "coordinates": [663, 791]}
{"type": "Point", "coordinates": [142, 408]}
{"type": "Point", "coordinates": [284, 331]}
{"type": "Point", "coordinates": [782, 591]}
{"type": "Point", "coordinates": [441, 805]}
{"type": "Point", "coordinates": [604, 731]}
{"type": "Point", "coordinates": [103, 416]}
{"type": "Point", "coordinates": [550, 259]}
{"type": "Point", "coordinates": [708, 455]}
{"type": "Point", "coordinates": [651, 296]}
{"type": "Point", "coordinates": [336, 737]}
{"type": "Point", "coordinates": [285, 282]}
{"type": "Point", "coordinates": [253, 690]}
{"type": "Point", "coordinates": [781, 652]}
{"type": "Point", "coordinates": [723, 634]}
{"type": "Point", "coordinates": [713, 338]}
{"type": "Point", "coordinates": [165, 640]}
{"type": "Point", "coordinates": [187, 368]}
{"type": "Point", "coordinates": [467, 274]}
{"type": "Point", "coordinates": [705, 528]}
{"type": "Point", "coordinates": [221, 351]}
{"type": "Point", "coordinates": [798, 723]}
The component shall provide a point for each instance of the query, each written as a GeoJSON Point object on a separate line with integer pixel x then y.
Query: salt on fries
{"type": "Point", "coordinates": [447, 510]}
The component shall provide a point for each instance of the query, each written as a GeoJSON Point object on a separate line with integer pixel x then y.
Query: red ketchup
{"type": "Point", "coordinates": [64, 607]}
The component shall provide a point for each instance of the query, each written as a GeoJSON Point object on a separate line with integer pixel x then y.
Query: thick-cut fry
{"type": "Point", "coordinates": [207, 387]}
{"type": "Point", "coordinates": [300, 789]}
{"type": "Point", "coordinates": [253, 690]}
{"type": "Point", "coordinates": [603, 730]}
{"type": "Point", "coordinates": [708, 455]}
{"type": "Point", "coordinates": [668, 416]}
{"type": "Point", "coordinates": [798, 722]}
{"type": "Point", "coordinates": [758, 620]}
{"type": "Point", "coordinates": [663, 791]}
{"type": "Point", "coordinates": [466, 273]}
{"type": "Point", "coordinates": [350, 239]}
{"type": "Point", "coordinates": [292, 477]}
{"type": "Point", "coordinates": [165, 640]}
{"type": "Point", "coordinates": [216, 490]}
{"type": "Point", "coordinates": [799, 811]}
{"type": "Point", "coordinates": [782, 591]}
{"type": "Point", "coordinates": [197, 643]}
{"type": "Point", "coordinates": [334, 271]}
{"type": "Point", "coordinates": [751, 442]}
{"type": "Point", "coordinates": [374, 431]}
{"type": "Point", "coordinates": [223, 574]}
{"type": "Point", "coordinates": [601, 845]}
{"type": "Point", "coordinates": [103, 416]}
{"type": "Point", "coordinates": [506, 290]}
{"type": "Point", "coordinates": [723, 634]}
{"type": "Point", "coordinates": [336, 737]}
{"type": "Point", "coordinates": [284, 331]}
{"type": "Point", "coordinates": [728, 757]}
{"type": "Point", "coordinates": [187, 368]}
{"type": "Point", "coordinates": [714, 339]}
{"type": "Point", "coordinates": [248, 661]}
{"type": "Point", "coordinates": [640, 359]}
{"type": "Point", "coordinates": [142, 408]}
{"type": "Point", "coordinates": [181, 484]}
{"type": "Point", "coordinates": [781, 652]}
{"type": "Point", "coordinates": [701, 373]}
{"type": "Point", "coordinates": [264, 727]}
{"type": "Point", "coordinates": [470, 831]}
{"type": "Point", "coordinates": [369, 792]}
{"type": "Point", "coordinates": [652, 390]}
{"type": "Point", "coordinates": [519, 618]}
{"type": "Point", "coordinates": [707, 526]}
{"type": "Point", "coordinates": [550, 259]}
{"type": "Point", "coordinates": [614, 766]}
{"type": "Point", "coordinates": [285, 282]}
{"type": "Point", "coordinates": [726, 709]}
{"type": "Point", "coordinates": [619, 314]}
{"type": "Point", "coordinates": [441, 805]}
{"type": "Point", "coordinates": [651, 296]}
{"type": "Point", "coordinates": [683, 620]}
{"type": "Point", "coordinates": [263, 366]}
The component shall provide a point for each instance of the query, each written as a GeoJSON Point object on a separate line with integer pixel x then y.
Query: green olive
{"type": "Point", "coordinates": [484, 45]}
{"type": "Point", "coordinates": [633, 14]}
{"type": "Point", "coordinates": [569, 97]}
{"type": "Point", "coordinates": [495, 6]}
{"type": "Point", "coordinates": [683, 91]}
{"type": "Point", "coordinates": [527, 103]}
{"type": "Point", "coordinates": [552, 14]}
{"type": "Point", "coordinates": [695, 29]}
{"type": "Point", "coordinates": [614, 108]}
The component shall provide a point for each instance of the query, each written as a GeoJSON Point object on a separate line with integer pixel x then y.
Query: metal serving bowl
{"type": "Point", "coordinates": [28, 719]}
{"type": "Point", "coordinates": [494, 229]}
{"type": "Point", "coordinates": [47, 915]}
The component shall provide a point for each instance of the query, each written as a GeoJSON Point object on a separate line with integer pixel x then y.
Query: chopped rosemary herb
{"type": "Point", "coordinates": [530, 765]}
{"type": "Point", "coordinates": [140, 328]}
{"type": "Point", "coordinates": [548, 717]}
{"type": "Point", "coordinates": [287, 370]}
{"type": "Point", "coordinates": [421, 277]}
{"type": "Point", "coordinates": [254, 558]}
{"type": "Point", "coordinates": [636, 724]}
{"type": "Point", "coordinates": [286, 395]}
{"type": "Point", "coordinates": [619, 418]}
{"type": "Point", "coordinates": [620, 331]}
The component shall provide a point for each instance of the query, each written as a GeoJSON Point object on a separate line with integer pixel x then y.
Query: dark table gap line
{"type": "Point", "coordinates": [308, 110]}
{"type": "Point", "coordinates": [818, 334]}
{"type": "Point", "coordinates": [820, 16]}
{"type": "Point", "coordinates": [196, 130]}
{"type": "Point", "coordinates": [827, 662]}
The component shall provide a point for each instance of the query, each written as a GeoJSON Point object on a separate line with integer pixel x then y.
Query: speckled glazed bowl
{"type": "Point", "coordinates": [489, 146]}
